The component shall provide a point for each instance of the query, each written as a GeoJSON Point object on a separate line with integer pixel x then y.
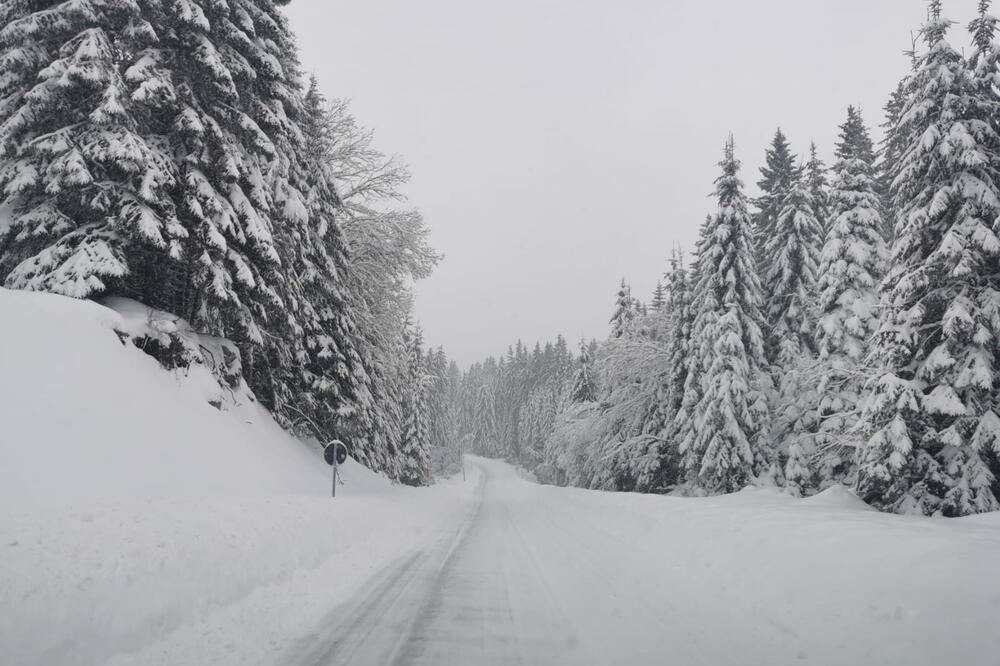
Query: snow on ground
{"type": "Point", "coordinates": [141, 526]}
{"type": "Point", "coordinates": [534, 574]}
{"type": "Point", "coordinates": [130, 507]}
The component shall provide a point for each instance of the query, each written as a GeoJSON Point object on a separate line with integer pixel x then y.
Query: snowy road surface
{"type": "Point", "coordinates": [541, 575]}
{"type": "Point", "coordinates": [479, 594]}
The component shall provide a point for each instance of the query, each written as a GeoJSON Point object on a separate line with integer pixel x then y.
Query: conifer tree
{"type": "Point", "coordinates": [793, 250]}
{"type": "Point", "coordinates": [727, 450]}
{"type": "Point", "coordinates": [851, 267]}
{"type": "Point", "coordinates": [625, 311]}
{"type": "Point", "coordinates": [659, 297]}
{"type": "Point", "coordinates": [584, 389]}
{"type": "Point", "coordinates": [661, 470]}
{"type": "Point", "coordinates": [84, 183]}
{"type": "Point", "coordinates": [684, 425]}
{"type": "Point", "coordinates": [932, 420]}
{"type": "Point", "coordinates": [777, 176]}
{"type": "Point", "coordinates": [678, 306]}
{"type": "Point", "coordinates": [415, 449]}
{"type": "Point", "coordinates": [154, 150]}
{"type": "Point", "coordinates": [889, 154]}
{"type": "Point", "coordinates": [815, 174]}
{"type": "Point", "coordinates": [984, 63]}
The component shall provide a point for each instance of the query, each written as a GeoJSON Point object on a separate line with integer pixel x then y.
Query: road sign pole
{"type": "Point", "coordinates": [335, 453]}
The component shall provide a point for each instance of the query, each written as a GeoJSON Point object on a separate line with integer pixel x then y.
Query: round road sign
{"type": "Point", "coordinates": [335, 451]}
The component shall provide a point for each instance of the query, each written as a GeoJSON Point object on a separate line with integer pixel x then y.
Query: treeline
{"type": "Point", "coordinates": [170, 152]}
{"type": "Point", "coordinates": [509, 405]}
{"type": "Point", "coordinates": [842, 328]}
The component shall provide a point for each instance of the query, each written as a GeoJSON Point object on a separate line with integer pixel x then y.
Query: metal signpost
{"type": "Point", "coordinates": [335, 454]}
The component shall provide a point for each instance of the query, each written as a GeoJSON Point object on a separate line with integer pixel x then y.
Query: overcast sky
{"type": "Point", "coordinates": [558, 145]}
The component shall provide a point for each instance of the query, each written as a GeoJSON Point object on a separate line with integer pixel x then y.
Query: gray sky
{"type": "Point", "coordinates": [558, 145]}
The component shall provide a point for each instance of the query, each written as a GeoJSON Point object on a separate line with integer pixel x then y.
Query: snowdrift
{"type": "Point", "coordinates": [130, 506]}
{"type": "Point", "coordinates": [88, 417]}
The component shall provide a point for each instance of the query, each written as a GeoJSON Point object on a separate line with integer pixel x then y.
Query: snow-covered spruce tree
{"type": "Point", "coordinates": [984, 62]}
{"type": "Point", "coordinates": [851, 266]}
{"type": "Point", "coordinates": [727, 451]}
{"type": "Point", "coordinates": [415, 446]}
{"type": "Point", "coordinates": [246, 173]}
{"type": "Point", "coordinates": [679, 333]}
{"type": "Point", "coordinates": [819, 190]}
{"type": "Point", "coordinates": [793, 250]}
{"type": "Point", "coordinates": [684, 425]}
{"type": "Point", "coordinates": [931, 419]}
{"type": "Point", "coordinates": [442, 403]}
{"type": "Point", "coordinates": [153, 150]}
{"type": "Point", "coordinates": [889, 153]}
{"type": "Point", "coordinates": [793, 254]}
{"type": "Point", "coordinates": [482, 395]}
{"type": "Point", "coordinates": [625, 311]}
{"type": "Point", "coordinates": [660, 469]}
{"type": "Point", "coordinates": [777, 176]}
{"type": "Point", "coordinates": [659, 297]}
{"type": "Point", "coordinates": [584, 388]}
{"type": "Point", "coordinates": [84, 182]}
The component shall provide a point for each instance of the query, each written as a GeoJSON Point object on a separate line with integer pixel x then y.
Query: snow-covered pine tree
{"type": "Point", "coordinates": [819, 190]}
{"type": "Point", "coordinates": [931, 419]}
{"type": "Point", "coordinates": [625, 311]}
{"type": "Point", "coordinates": [660, 471]}
{"type": "Point", "coordinates": [441, 403]}
{"type": "Point", "coordinates": [792, 253]}
{"type": "Point", "coordinates": [679, 310]}
{"type": "Point", "coordinates": [851, 267]}
{"type": "Point", "coordinates": [889, 153]}
{"type": "Point", "coordinates": [684, 425]}
{"type": "Point", "coordinates": [584, 388]}
{"type": "Point", "coordinates": [154, 150]}
{"type": "Point", "coordinates": [793, 250]}
{"type": "Point", "coordinates": [415, 447]}
{"type": "Point", "coordinates": [777, 176]}
{"type": "Point", "coordinates": [478, 394]}
{"type": "Point", "coordinates": [984, 62]}
{"type": "Point", "coordinates": [659, 297]}
{"type": "Point", "coordinates": [732, 411]}
{"type": "Point", "coordinates": [85, 182]}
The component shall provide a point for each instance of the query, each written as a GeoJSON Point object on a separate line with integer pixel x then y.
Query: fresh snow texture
{"type": "Point", "coordinates": [141, 526]}
{"type": "Point", "coordinates": [130, 507]}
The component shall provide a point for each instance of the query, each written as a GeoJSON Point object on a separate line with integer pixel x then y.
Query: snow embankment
{"type": "Point", "coordinates": [131, 507]}
{"type": "Point", "coordinates": [755, 577]}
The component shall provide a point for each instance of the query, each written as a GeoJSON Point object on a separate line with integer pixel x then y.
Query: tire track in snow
{"type": "Point", "coordinates": [373, 628]}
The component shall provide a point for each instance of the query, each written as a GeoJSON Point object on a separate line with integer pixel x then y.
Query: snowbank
{"type": "Point", "coordinates": [753, 578]}
{"type": "Point", "coordinates": [131, 507]}
{"type": "Point", "coordinates": [87, 418]}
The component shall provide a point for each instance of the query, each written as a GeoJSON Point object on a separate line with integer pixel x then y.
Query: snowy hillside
{"type": "Point", "coordinates": [105, 422]}
{"type": "Point", "coordinates": [129, 505]}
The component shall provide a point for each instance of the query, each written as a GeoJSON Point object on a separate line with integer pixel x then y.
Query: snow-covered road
{"type": "Point", "coordinates": [476, 594]}
{"type": "Point", "coordinates": [542, 575]}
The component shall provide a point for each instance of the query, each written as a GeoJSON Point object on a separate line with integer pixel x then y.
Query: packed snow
{"type": "Point", "coordinates": [142, 525]}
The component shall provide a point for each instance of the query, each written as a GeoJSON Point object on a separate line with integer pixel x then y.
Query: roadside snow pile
{"type": "Point", "coordinates": [838, 497]}
{"type": "Point", "coordinates": [88, 417]}
{"type": "Point", "coordinates": [130, 506]}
